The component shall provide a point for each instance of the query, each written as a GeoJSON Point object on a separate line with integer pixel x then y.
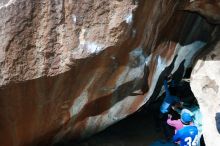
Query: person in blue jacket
{"type": "Point", "coordinates": [169, 100]}
{"type": "Point", "coordinates": [188, 135]}
{"type": "Point", "coordinates": [170, 97]}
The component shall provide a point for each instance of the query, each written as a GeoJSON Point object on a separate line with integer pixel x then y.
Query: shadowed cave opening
{"type": "Point", "coordinates": [141, 128]}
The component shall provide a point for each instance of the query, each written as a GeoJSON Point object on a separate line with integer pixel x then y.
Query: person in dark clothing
{"type": "Point", "coordinates": [170, 98]}
{"type": "Point", "coordinates": [165, 108]}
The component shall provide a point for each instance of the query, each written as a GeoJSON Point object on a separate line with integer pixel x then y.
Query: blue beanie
{"type": "Point", "coordinates": [186, 118]}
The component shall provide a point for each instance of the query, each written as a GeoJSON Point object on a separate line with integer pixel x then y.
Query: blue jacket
{"type": "Point", "coordinates": [168, 100]}
{"type": "Point", "coordinates": [188, 136]}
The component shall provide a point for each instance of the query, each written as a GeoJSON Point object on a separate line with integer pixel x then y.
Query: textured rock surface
{"type": "Point", "coordinates": [208, 8]}
{"type": "Point", "coordinates": [71, 68]}
{"type": "Point", "coordinates": [205, 85]}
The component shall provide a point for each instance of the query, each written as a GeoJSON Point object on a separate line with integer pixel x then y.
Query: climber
{"type": "Point", "coordinates": [188, 135]}
{"type": "Point", "coordinates": [178, 124]}
{"type": "Point", "coordinates": [170, 97]}
{"type": "Point", "coordinates": [195, 113]}
{"type": "Point", "coordinates": [169, 100]}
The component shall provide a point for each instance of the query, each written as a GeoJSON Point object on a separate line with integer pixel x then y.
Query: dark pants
{"type": "Point", "coordinates": [202, 142]}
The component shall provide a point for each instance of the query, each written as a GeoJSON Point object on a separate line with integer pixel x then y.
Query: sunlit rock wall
{"type": "Point", "coordinates": [205, 85]}
{"type": "Point", "coordinates": [205, 76]}
{"type": "Point", "coordinates": [70, 68]}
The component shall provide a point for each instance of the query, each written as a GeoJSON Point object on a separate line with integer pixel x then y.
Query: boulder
{"type": "Point", "coordinates": [69, 68]}
{"type": "Point", "coordinates": [205, 86]}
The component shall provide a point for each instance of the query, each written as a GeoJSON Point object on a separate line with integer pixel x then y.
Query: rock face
{"type": "Point", "coordinates": [205, 85]}
{"type": "Point", "coordinates": [71, 68]}
{"type": "Point", "coordinates": [209, 9]}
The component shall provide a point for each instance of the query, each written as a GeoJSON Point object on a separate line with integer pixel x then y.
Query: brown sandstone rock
{"type": "Point", "coordinates": [71, 68]}
{"type": "Point", "coordinates": [210, 9]}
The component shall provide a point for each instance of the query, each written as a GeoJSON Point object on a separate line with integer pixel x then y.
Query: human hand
{"type": "Point", "coordinates": [169, 116]}
{"type": "Point", "coordinates": [186, 80]}
{"type": "Point", "coordinates": [181, 104]}
{"type": "Point", "coordinates": [170, 76]}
